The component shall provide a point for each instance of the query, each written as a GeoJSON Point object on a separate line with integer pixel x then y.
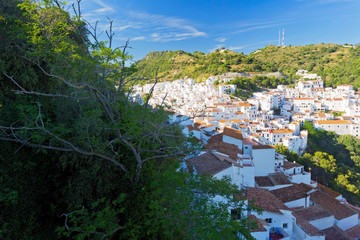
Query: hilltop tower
{"type": "Point", "coordinates": [283, 38]}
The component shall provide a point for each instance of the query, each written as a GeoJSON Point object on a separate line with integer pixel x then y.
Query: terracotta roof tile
{"type": "Point", "coordinates": [353, 233]}
{"type": "Point", "coordinates": [207, 163]}
{"type": "Point", "coordinates": [334, 233]}
{"type": "Point", "coordinates": [278, 131]}
{"type": "Point", "coordinates": [265, 200]}
{"type": "Point", "coordinates": [311, 213]}
{"type": "Point", "coordinates": [327, 191]}
{"type": "Point", "coordinates": [288, 194]}
{"type": "Point", "coordinates": [306, 226]}
{"type": "Point", "coordinates": [233, 133]}
{"type": "Point", "coordinates": [264, 182]}
{"type": "Point", "coordinates": [289, 165]}
{"type": "Point", "coordinates": [305, 187]}
{"type": "Point", "coordinates": [356, 209]}
{"type": "Point", "coordinates": [216, 143]}
{"type": "Point", "coordinates": [263, 147]}
{"type": "Point", "coordinates": [279, 178]}
{"type": "Point", "coordinates": [334, 122]}
{"type": "Point", "coordinates": [331, 205]}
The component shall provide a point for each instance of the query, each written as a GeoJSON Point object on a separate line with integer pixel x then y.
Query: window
{"type": "Point", "coordinates": [268, 220]}
{"type": "Point", "coordinates": [236, 214]}
{"type": "Point", "coordinates": [285, 225]}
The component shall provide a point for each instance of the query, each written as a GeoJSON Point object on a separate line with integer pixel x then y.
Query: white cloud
{"type": "Point", "coordinates": [167, 28]}
{"type": "Point", "coordinates": [221, 39]}
{"type": "Point", "coordinates": [105, 9]}
{"type": "Point", "coordinates": [249, 26]}
{"type": "Point", "coordinates": [151, 27]}
{"type": "Point", "coordinates": [138, 38]}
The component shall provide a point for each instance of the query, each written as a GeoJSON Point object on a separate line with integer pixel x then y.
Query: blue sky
{"type": "Point", "coordinates": [240, 25]}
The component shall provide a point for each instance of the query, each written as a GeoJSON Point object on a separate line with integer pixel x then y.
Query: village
{"type": "Point", "coordinates": [239, 139]}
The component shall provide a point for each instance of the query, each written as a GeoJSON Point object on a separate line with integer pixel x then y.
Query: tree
{"type": "Point", "coordinates": [110, 167]}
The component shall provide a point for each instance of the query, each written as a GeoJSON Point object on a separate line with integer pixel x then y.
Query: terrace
{"type": "Point", "coordinates": [277, 233]}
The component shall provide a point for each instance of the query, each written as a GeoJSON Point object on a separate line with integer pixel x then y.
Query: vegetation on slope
{"type": "Point", "coordinates": [337, 64]}
{"type": "Point", "coordinates": [80, 161]}
{"type": "Point", "coordinates": [334, 161]}
{"type": "Point", "coordinates": [173, 65]}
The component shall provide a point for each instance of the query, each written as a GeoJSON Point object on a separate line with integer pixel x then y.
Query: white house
{"type": "Point", "coordinates": [345, 217]}
{"type": "Point", "coordinates": [338, 126]}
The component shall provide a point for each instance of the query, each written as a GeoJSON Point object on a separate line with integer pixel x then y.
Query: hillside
{"type": "Point", "coordinates": [333, 159]}
{"type": "Point", "coordinates": [337, 64]}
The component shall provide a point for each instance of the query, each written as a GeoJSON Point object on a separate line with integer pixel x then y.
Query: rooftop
{"type": "Point", "coordinates": [327, 191]}
{"type": "Point", "coordinates": [207, 163]}
{"type": "Point", "coordinates": [233, 133]}
{"type": "Point", "coordinates": [272, 180]}
{"type": "Point", "coordinates": [334, 233]}
{"type": "Point", "coordinates": [334, 122]}
{"type": "Point", "coordinates": [289, 194]}
{"type": "Point", "coordinates": [353, 232]}
{"type": "Point", "coordinates": [265, 200]}
{"type": "Point", "coordinates": [311, 213]}
{"type": "Point", "coordinates": [278, 131]}
{"type": "Point", "coordinates": [331, 205]}
{"type": "Point", "coordinates": [289, 165]}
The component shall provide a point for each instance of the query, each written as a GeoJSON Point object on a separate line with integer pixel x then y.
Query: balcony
{"type": "Point", "coordinates": [277, 233]}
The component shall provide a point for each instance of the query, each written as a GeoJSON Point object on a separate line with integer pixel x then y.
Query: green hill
{"type": "Point", "coordinates": [337, 64]}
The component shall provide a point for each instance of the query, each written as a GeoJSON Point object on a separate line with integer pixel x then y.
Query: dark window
{"type": "Point", "coordinates": [236, 214]}
{"type": "Point", "coordinates": [285, 225]}
{"type": "Point", "coordinates": [268, 220]}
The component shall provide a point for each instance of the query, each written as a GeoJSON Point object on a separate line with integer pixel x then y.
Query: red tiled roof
{"type": "Point", "coordinates": [353, 233]}
{"type": "Point", "coordinates": [216, 143]}
{"type": "Point", "coordinates": [289, 165]}
{"type": "Point", "coordinates": [207, 163]}
{"type": "Point", "coordinates": [308, 228]}
{"type": "Point", "coordinates": [334, 233]}
{"type": "Point", "coordinates": [311, 213]}
{"type": "Point", "coordinates": [265, 200]}
{"type": "Point", "coordinates": [264, 182]}
{"type": "Point", "coordinates": [263, 147]}
{"type": "Point", "coordinates": [272, 180]}
{"type": "Point", "coordinates": [327, 191]}
{"type": "Point", "coordinates": [233, 133]}
{"type": "Point", "coordinates": [331, 205]}
{"type": "Point", "coordinates": [334, 122]}
{"type": "Point", "coordinates": [289, 194]}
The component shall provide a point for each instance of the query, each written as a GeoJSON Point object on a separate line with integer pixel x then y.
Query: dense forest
{"type": "Point", "coordinates": [78, 159]}
{"type": "Point", "coordinates": [337, 64]}
{"type": "Point", "coordinates": [334, 161]}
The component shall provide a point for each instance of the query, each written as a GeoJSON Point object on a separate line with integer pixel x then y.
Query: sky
{"type": "Point", "coordinates": [239, 25]}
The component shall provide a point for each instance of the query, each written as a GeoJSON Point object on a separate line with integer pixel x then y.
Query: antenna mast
{"type": "Point", "coordinates": [283, 38]}
{"type": "Point", "coordinates": [279, 38]}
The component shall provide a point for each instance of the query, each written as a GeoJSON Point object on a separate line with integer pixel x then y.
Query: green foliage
{"type": "Point", "coordinates": [246, 87]}
{"type": "Point", "coordinates": [335, 63]}
{"type": "Point", "coordinates": [95, 197]}
{"type": "Point", "coordinates": [333, 161]}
